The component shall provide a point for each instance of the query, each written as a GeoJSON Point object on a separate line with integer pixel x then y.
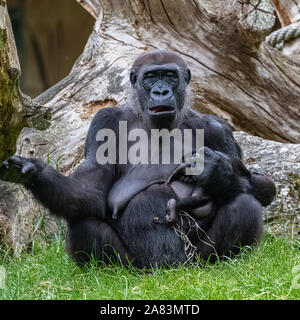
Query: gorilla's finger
{"type": "Point", "coordinates": [177, 172]}
{"type": "Point", "coordinates": [28, 167]}
{"type": "Point", "coordinates": [16, 162]}
{"type": "Point", "coordinates": [5, 164]}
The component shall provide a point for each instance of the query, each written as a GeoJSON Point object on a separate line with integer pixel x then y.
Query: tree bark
{"type": "Point", "coordinates": [288, 11]}
{"type": "Point", "coordinates": [93, 7]}
{"type": "Point", "coordinates": [16, 109]}
{"type": "Point", "coordinates": [236, 75]}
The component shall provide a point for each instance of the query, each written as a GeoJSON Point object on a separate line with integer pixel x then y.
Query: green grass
{"type": "Point", "coordinates": [264, 272]}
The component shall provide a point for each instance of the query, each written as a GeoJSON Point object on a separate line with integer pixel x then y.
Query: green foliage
{"type": "Point", "coordinates": [263, 272]}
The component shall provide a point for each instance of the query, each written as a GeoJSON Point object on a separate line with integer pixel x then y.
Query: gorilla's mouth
{"type": "Point", "coordinates": [161, 109]}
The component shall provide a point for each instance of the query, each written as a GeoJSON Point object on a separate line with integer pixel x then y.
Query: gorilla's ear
{"type": "Point", "coordinates": [133, 78]}
{"type": "Point", "coordinates": [187, 76]}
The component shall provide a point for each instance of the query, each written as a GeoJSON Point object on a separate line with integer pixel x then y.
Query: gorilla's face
{"type": "Point", "coordinates": [161, 91]}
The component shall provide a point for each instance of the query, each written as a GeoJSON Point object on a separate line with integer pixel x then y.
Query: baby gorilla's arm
{"type": "Point", "coordinates": [199, 205]}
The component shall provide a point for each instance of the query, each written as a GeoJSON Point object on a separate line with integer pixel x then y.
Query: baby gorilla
{"type": "Point", "coordinates": [193, 193]}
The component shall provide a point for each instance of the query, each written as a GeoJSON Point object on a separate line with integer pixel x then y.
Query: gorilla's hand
{"type": "Point", "coordinates": [19, 170]}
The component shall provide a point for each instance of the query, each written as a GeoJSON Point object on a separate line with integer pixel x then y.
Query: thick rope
{"type": "Point", "coordinates": [279, 37]}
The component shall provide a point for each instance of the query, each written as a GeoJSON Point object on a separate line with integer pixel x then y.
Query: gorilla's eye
{"type": "Point", "coordinates": [171, 74]}
{"type": "Point", "coordinates": [149, 75]}
{"type": "Point", "coordinates": [171, 77]}
{"type": "Point", "coordinates": [149, 79]}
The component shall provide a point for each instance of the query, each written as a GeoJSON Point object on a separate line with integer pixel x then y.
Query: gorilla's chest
{"type": "Point", "coordinates": [135, 180]}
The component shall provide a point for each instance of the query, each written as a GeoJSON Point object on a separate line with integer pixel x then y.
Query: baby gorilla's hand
{"type": "Point", "coordinates": [187, 179]}
{"type": "Point", "coordinates": [18, 170]}
{"type": "Point", "coordinates": [172, 214]}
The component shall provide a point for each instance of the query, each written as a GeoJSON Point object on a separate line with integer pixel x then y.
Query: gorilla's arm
{"type": "Point", "coordinates": [69, 197]}
{"type": "Point", "coordinates": [226, 177]}
{"type": "Point", "coordinates": [81, 194]}
{"type": "Point", "coordinates": [218, 136]}
{"type": "Point", "coordinates": [75, 196]}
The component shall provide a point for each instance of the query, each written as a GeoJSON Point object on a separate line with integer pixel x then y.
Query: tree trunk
{"type": "Point", "coordinates": [16, 110]}
{"type": "Point", "coordinates": [236, 75]}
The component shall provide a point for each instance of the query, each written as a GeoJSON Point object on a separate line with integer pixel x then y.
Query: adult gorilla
{"type": "Point", "coordinates": [140, 234]}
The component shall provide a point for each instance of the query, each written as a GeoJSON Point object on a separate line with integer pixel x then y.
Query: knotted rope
{"type": "Point", "coordinates": [279, 37]}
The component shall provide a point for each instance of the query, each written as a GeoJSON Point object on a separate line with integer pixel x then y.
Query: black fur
{"type": "Point", "coordinates": [140, 233]}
